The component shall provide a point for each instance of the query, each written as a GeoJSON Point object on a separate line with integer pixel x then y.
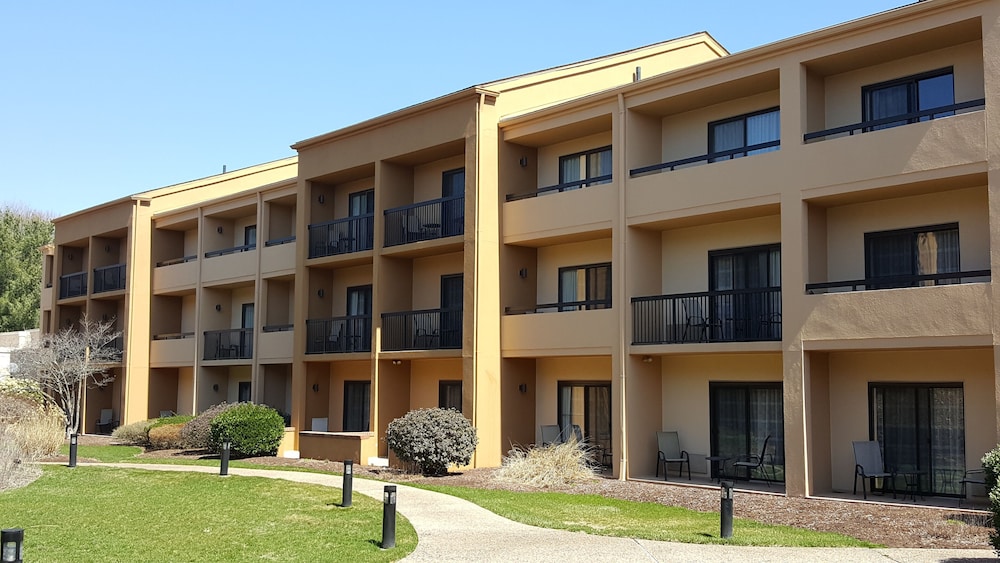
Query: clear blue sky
{"type": "Point", "coordinates": [103, 99]}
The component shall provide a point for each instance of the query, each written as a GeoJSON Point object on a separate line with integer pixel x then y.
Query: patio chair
{"type": "Point", "coordinates": [573, 432]}
{"type": "Point", "coordinates": [868, 466]}
{"type": "Point", "coordinates": [754, 462]}
{"type": "Point", "coordinates": [703, 325]}
{"type": "Point", "coordinates": [669, 451]}
{"type": "Point", "coordinates": [551, 434]}
{"type": "Point", "coordinates": [107, 422]}
{"type": "Point", "coordinates": [166, 414]}
{"type": "Point", "coordinates": [971, 477]}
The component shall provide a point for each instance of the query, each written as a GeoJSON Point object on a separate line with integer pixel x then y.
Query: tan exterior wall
{"type": "Point", "coordinates": [550, 371]}
{"type": "Point", "coordinates": [551, 258]}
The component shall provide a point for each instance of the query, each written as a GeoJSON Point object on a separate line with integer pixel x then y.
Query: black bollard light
{"type": "Point", "coordinates": [726, 510]}
{"type": "Point", "coordinates": [12, 545]}
{"type": "Point", "coordinates": [72, 450]}
{"type": "Point", "coordinates": [224, 466]}
{"type": "Point", "coordinates": [389, 517]}
{"type": "Point", "coordinates": [348, 487]}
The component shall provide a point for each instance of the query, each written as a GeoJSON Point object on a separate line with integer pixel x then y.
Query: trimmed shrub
{"type": "Point", "coordinates": [252, 430]}
{"type": "Point", "coordinates": [166, 437]}
{"type": "Point", "coordinates": [991, 469]}
{"type": "Point", "coordinates": [197, 433]}
{"type": "Point", "coordinates": [432, 439]}
{"type": "Point", "coordinates": [547, 466]}
{"type": "Point", "coordinates": [134, 434]}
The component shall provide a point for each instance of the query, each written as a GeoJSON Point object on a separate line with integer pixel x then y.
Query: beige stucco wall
{"type": "Point", "coordinates": [551, 258]}
{"type": "Point", "coordinates": [550, 371]}
{"type": "Point", "coordinates": [684, 265]}
{"type": "Point", "coordinates": [426, 375]}
{"type": "Point", "coordinates": [548, 156]}
{"type": "Point", "coordinates": [427, 274]}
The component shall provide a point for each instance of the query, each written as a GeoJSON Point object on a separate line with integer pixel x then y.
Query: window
{"type": "Point", "coordinates": [594, 164]}
{"type": "Point", "coordinates": [743, 314]}
{"type": "Point", "coordinates": [357, 396]}
{"type": "Point", "coordinates": [250, 236]}
{"type": "Point", "coordinates": [585, 287]}
{"type": "Point", "coordinates": [752, 129]}
{"type": "Point", "coordinates": [359, 321]}
{"type": "Point", "coordinates": [921, 428]}
{"type": "Point", "coordinates": [742, 416]}
{"type": "Point", "coordinates": [909, 95]}
{"type": "Point", "coordinates": [585, 411]}
{"type": "Point", "coordinates": [243, 392]}
{"type": "Point", "coordinates": [453, 183]}
{"type": "Point", "coordinates": [450, 395]}
{"type": "Point", "coordinates": [361, 203]}
{"type": "Point", "coordinates": [908, 253]}
{"type": "Point", "coordinates": [453, 210]}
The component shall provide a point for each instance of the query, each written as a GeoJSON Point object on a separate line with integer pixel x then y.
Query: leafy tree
{"type": "Point", "coordinates": [22, 233]}
{"type": "Point", "coordinates": [63, 363]}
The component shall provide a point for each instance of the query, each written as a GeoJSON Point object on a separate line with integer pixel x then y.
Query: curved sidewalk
{"type": "Point", "coordinates": [452, 529]}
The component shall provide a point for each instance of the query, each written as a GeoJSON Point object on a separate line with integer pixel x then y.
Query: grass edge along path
{"type": "Point", "coordinates": [112, 514]}
{"type": "Point", "coordinates": [598, 515]}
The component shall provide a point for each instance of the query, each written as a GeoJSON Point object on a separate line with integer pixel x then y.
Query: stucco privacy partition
{"type": "Point", "coordinates": [792, 241]}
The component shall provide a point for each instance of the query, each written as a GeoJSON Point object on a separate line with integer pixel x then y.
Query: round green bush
{"type": "Point", "coordinates": [197, 433]}
{"type": "Point", "coordinates": [252, 430]}
{"type": "Point", "coordinates": [432, 439]}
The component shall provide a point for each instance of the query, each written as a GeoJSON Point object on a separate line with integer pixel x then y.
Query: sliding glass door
{"type": "Point", "coordinates": [743, 415]}
{"type": "Point", "coordinates": [586, 406]}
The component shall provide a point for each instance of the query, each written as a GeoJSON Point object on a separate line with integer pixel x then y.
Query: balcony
{"type": "Point", "coordinates": [341, 236]}
{"type": "Point", "coordinates": [431, 329]}
{"type": "Point", "coordinates": [339, 335]}
{"type": "Point", "coordinates": [738, 315]}
{"type": "Point", "coordinates": [564, 187]}
{"type": "Point", "coordinates": [895, 121]}
{"type": "Point", "coordinates": [73, 285]}
{"type": "Point", "coordinates": [276, 343]}
{"type": "Point", "coordinates": [230, 250]}
{"type": "Point", "coordinates": [429, 220]}
{"type": "Point", "coordinates": [895, 282]}
{"type": "Point", "coordinates": [109, 278]}
{"type": "Point", "coordinates": [580, 330]}
{"type": "Point", "coordinates": [229, 344]}
{"type": "Point", "coordinates": [706, 158]}
{"type": "Point", "coordinates": [172, 349]}
{"type": "Point", "coordinates": [580, 212]}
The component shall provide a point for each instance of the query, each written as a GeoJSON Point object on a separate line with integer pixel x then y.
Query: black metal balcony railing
{"type": "Point", "coordinates": [339, 335]}
{"type": "Point", "coordinates": [432, 329]}
{"type": "Point", "coordinates": [118, 344]}
{"type": "Point", "coordinates": [232, 250]}
{"type": "Point", "coordinates": [564, 187]}
{"type": "Point", "coordinates": [180, 260]}
{"type": "Point", "coordinates": [277, 328]}
{"type": "Point", "coordinates": [738, 315]}
{"type": "Point", "coordinates": [588, 305]}
{"type": "Point", "coordinates": [109, 278]}
{"type": "Point", "coordinates": [895, 282]}
{"type": "Point", "coordinates": [439, 218]}
{"type": "Point", "coordinates": [72, 285]}
{"type": "Point", "coordinates": [341, 236]}
{"type": "Point", "coordinates": [885, 123]}
{"type": "Point", "coordinates": [229, 344]}
{"type": "Point", "coordinates": [280, 241]}
{"type": "Point", "coordinates": [173, 336]}
{"type": "Point", "coordinates": [706, 158]}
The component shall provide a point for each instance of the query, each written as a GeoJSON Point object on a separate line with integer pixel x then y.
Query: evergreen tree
{"type": "Point", "coordinates": [22, 233]}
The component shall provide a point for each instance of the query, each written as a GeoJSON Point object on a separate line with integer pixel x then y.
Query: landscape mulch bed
{"type": "Point", "coordinates": [889, 525]}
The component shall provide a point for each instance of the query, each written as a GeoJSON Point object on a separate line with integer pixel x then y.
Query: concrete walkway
{"type": "Point", "coordinates": [452, 529]}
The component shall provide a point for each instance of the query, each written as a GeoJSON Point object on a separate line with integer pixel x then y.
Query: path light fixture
{"type": "Point", "coordinates": [389, 517]}
{"type": "Point", "coordinates": [12, 545]}
{"type": "Point", "coordinates": [348, 486]}
{"type": "Point", "coordinates": [73, 440]}
{"type": "Point", "coordinates": [224, 465]}
{"type": "Point", "coordinates": [726, 509]}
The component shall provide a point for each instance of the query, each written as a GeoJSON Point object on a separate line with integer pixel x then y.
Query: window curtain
{"type": "Point", "coordinates": [891, 255]}
{"type": "Point", "coordinates": [727, 136]}
{"type": "Point", "coordinates": [599, 164]}
{"type": "Point", "coordinates": [570, 288]}
{"type": "Point", "coordinates": [888, 102]}
{"type": "Point", "coordinates": [763, 128]}
{"type": "Point", "coordinates": [570, 169]}
{"type": "Point", "coordinates": [729, 412]}
{"type": "Point", "coordinates": [357, 396]}
{"type": "Point", "coordinates": [599, 286]}
{"type": "Point", "coordinates": [766, 419]}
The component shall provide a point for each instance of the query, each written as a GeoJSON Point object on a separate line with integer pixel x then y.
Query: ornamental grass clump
{"type": "Point", "coordinates": [553, 465]}
{"type": "Point", "coordinates": [29, 431]}
{"type": "Point", "coordinates": [432, 439]}
{"type": "Point", "coordinates": [252, 430]}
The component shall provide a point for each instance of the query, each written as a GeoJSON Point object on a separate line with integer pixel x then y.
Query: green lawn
{"type": "Point", "coordinates": [598, 515]}
{"type": "Point", "coordinates": [104, 514]}
{"type": "Point", "coordinates": [587, 513]}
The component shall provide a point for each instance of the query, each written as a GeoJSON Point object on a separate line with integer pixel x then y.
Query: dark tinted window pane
{"type": "Point", "coordinates": [936, 92]}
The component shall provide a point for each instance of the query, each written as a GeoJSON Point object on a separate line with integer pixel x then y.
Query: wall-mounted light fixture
{"type": "Point", "coordinates": [320, 293]}
{"type": "Point", "coordinates": [316, 387]}
{"type": "Point", "coordinates": [523, 273]}
{"type": "Point", "coordinates": [523, 162]}
{"type": "Point", "coordinates": [107, 248]}
{"type": "Point", "coordinates": [219, 229]}
{"type": "Point", "coordinates": [321, 199]}
{"type": "Point", "coordinates": [523, 387]}
{"type": "Point", "coordinates": [215, 387]}
{"type": "Point", "coordinates": [397, 362]}
{"type": "Point", "coordinates": [218, 307]}
{"type": "Point", "coordinates": [70, 256]}
{"type": "Point", "coordinates": [104, 318]}
{"type": "Point", "coordinates": [647, 359]}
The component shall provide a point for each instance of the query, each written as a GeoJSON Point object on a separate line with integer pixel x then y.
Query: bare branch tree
{"type": "Point", "coordinates": [63, 363]}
